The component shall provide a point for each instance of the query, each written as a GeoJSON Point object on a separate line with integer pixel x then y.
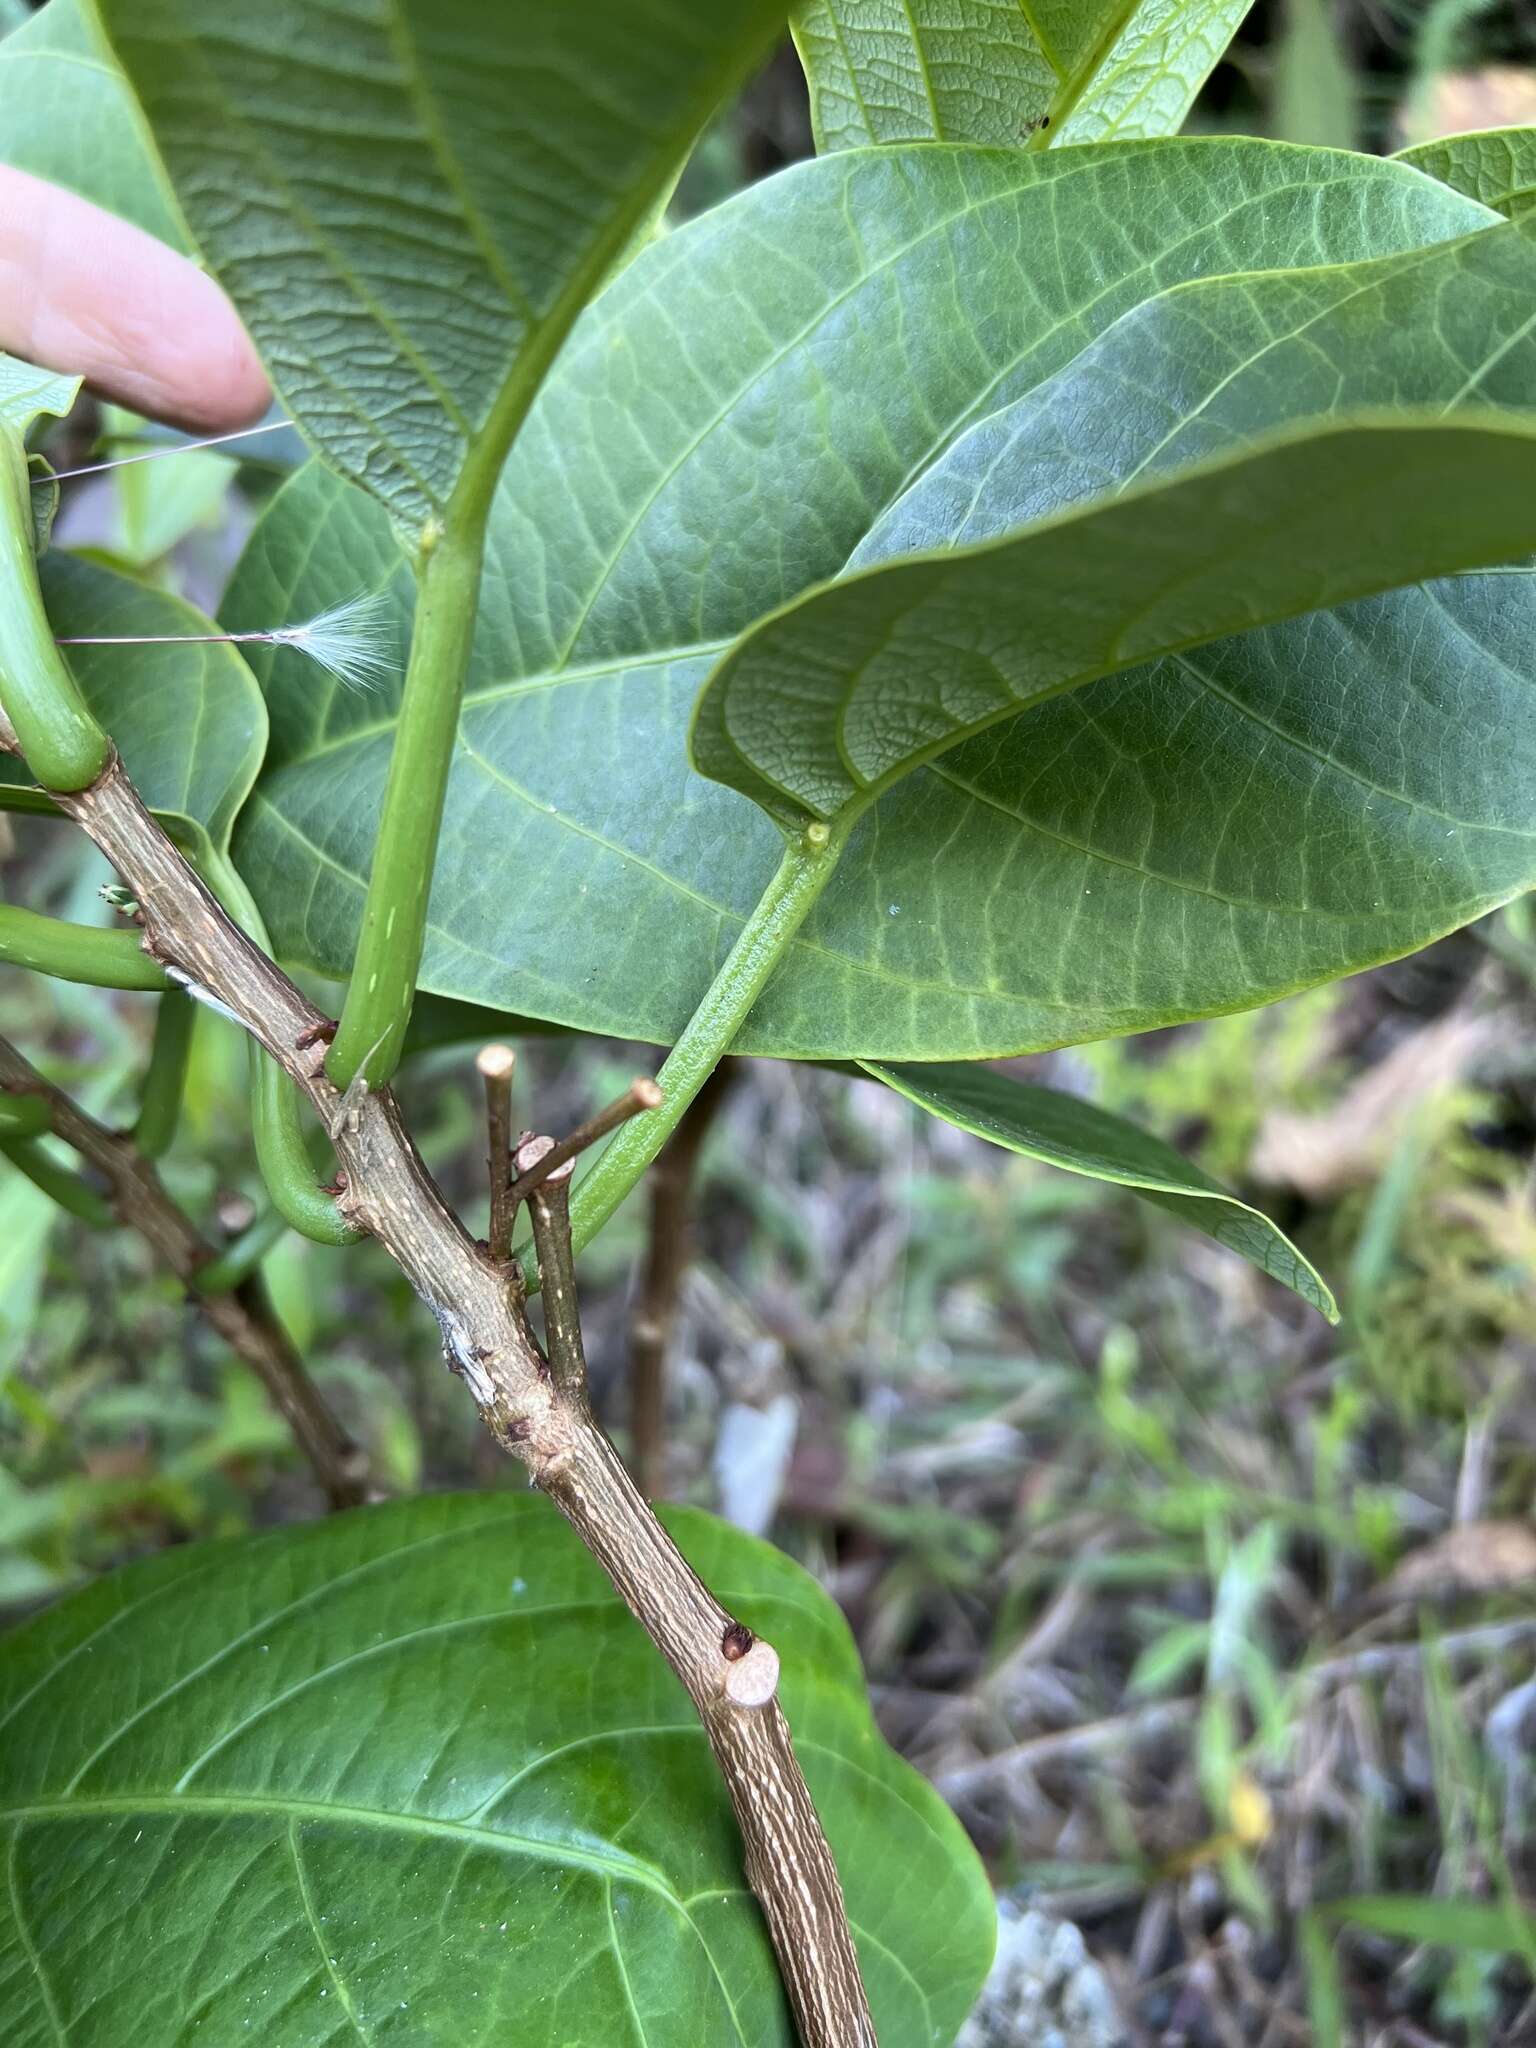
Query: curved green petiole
{"type": "Point", "coordinates": [64, 746]}
{"type": "Point", "coordinates": [165, 1079]}
{"type": "Point", "coordinates": [22, 1116]}
{"type": "Point", "coordinates": [76, 952]}
{"type": "Point", "coordinates": [283, 1156]}
{"type": "Point", "coordinates": [57, 1182]}
{"type": "Point", "coordinates": [276, 1122]}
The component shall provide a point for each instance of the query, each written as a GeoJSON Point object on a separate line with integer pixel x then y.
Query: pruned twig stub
{"type": "Point", "coordinates": [549, 1208]}
{"type": "Point", "coordinates": [497, 1064]}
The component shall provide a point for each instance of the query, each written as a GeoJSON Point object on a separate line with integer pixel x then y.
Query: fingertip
{"type": "Point", "coordinates": [87, 294]}
{"type": "Point", "coordinates": [210, 375]}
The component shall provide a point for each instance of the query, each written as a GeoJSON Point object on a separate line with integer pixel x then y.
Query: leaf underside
{"type": "Point", "coordinates": [682, 474]}
{"type": "Point", "coordinates": [1495, 166]}
{"type": "Point", "coordinates": [1149, 497]}
{"type": "Point", "coordinates": [66, 115]}
{"type": "Point", "coordinates": [413, 199]}
{"type": "Point", "coordinates": [26, 393]}
{"type": "Point", "coordinates": [415, 1776]}
{"type": "Point", "coordinates": [992, 71]}
{"type": "Point", "coordinates": [1080, 1137]}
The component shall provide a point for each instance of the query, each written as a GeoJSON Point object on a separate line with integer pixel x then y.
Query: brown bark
{"type": "Point", "coordinates": [243, 1317]}
{"type": "Point", "coordinates": [668, 1250]}
{"type": "Point", "coordinates": [487, 1340]}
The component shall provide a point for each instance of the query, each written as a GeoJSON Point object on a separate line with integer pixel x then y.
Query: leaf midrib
{"type": "Point", "coordinates": [233, 1806]}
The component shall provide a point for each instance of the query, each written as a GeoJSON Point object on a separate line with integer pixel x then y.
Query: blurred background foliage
{"type": "Point", "coordinates": [1207, 1618]}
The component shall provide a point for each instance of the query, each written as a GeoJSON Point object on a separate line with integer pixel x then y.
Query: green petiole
{"type": "Point", "coordinates": [383, 984]}
{"type": "Point", "coordinates": [64, 746]}
{"type": "Point", "coordinates": [166, 1077]}
{"type": "Point", "coordinates": [76, 952]}
{"type": "Point", "coordinates": [57, 1182]}
{"type": "Point", "coordinates": [808, 865]}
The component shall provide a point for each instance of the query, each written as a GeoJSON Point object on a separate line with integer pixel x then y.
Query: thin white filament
{"type": "Point", "coordinates": [60, 476]}
{"type": "Point", "coordinates": [351, 641]}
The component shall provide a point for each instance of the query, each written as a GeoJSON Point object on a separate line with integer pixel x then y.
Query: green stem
{"type": "Point", "coordinates": [64, 746]}
{"type": "Point", "coordinates": [805, 870]}
{"type": "Point", "coordinates": [57, 1182]}
{"type": "Point", "coordinates": [165, 1078]}
{"type": "Point", "coordinates": [75, 952]}
{"type": "Point", "coordinates": [389, 946]}
{"type": "Point", "coordinates": [239, 1260]}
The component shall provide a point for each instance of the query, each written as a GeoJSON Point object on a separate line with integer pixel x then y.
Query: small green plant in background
{"type": "Point", "coordinates": [1020, 579]}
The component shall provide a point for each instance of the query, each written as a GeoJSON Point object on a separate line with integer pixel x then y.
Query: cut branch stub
{"type": "Point", "coordinates": [497, 1064]}
{"type": "Point", "coordinates": [549, 1208]}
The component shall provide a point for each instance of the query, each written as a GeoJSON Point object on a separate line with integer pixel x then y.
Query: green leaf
{"type": "Point", "coordinates": [1484, 1926]}
{"type": "Point", "coordinates": [1063, 1130]}
{"type": "Point", "coordinates": [1168, 1658]}
{"type": "Point", "coordinates": [682, 493]}
{"type": "Point", "coordinates": [819, 705]}
{"type": "Point", "coordinates": [991, 584]}
{"type": "Point", "coordinates": [1496, 167]}
{"type": "Point", "coordinates": [1002, 73]}
{"type": "Point", "coordinates": [1208, 368]}
{"type": "Point", "coordinates": [409, 201]}
{"type": "Point", "coordinates": [1325, 1992]}
{"type": "Point", "coordinates": [841, 695]}
{"type": "Point", "coordinates": [66, 114]}
{"type": "Point", "coordinates": [415, 1774]}
{"type": "Point", "coordinates": [26, 392]}
{"type": "Point", "coordinates": [188, 721]}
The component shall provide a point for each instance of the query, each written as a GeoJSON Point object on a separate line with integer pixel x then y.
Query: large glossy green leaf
{"type": "Point", "coordinates": [415, 1776]}
{"type": "Point", "coordinates": [661, 498]}
{"type": "Point", "coordinates": [410, 200]}
{"type": "Point", "coordinates": [66, 114]}
{"type": "Point", "coordinates": [1496, 166]}
{"type": "Point", "coordinates": [1005, 72]}
{"type": "Point", "coordinates": [188, 721]}
{"type": "Point", "coordinates": [1063, 1130]}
